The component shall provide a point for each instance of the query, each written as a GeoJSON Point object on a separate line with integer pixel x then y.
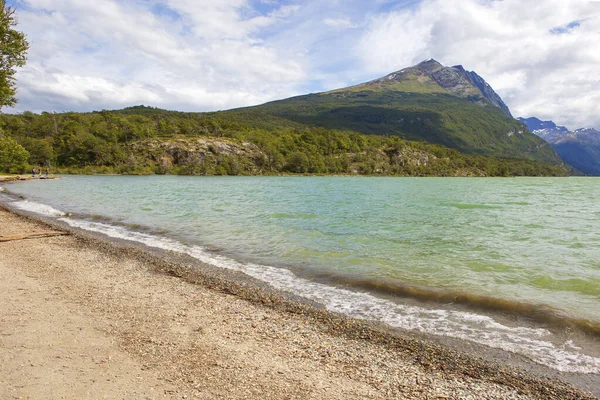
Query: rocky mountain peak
{"type": "Point", "coordinates": [429, 66]}
{"type": "Point", "coordinates": [458, 80]}
{"type": "Point", "coordinates": [455, 80]}
{"type": "Point", "coordinates": [431, 76]}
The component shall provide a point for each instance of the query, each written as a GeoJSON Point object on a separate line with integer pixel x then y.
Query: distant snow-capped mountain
{"type": "Point", "coordinates": [579, 148]}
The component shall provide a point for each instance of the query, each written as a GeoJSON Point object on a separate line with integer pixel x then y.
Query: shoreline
{"type": "Point", "coordinates": [431, 357]}
{"type": "Point", "coordinates": [13, 178]}
{"type": "Point", "coordinates": [7, 178]}
{"type": "Point", "coordinates": [551, 336]}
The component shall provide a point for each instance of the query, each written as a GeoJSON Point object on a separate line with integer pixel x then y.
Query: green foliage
{"type": "Point", "coordinates": [144, 140]}
{"type": "Point", "coordinates": [472, 127]}
{"type": "Point", "coordinates": [13, 157]}
{"type": "Point", "coordinates": [40, 150]}
{"type": "Point", "coordinates": [13, 50]}
{"type": "Point", "coordinates": [298, 162]}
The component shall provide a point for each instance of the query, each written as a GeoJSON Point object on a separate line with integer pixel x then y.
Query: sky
{"type": "Point", "coordinates": [541, 56]}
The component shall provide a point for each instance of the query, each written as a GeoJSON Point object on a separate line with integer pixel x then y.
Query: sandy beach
{"type": "Point", "coordinates": [82, 317]}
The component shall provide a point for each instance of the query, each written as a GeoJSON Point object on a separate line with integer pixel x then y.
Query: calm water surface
{"type": "Point", "coordinates": [524, 241]}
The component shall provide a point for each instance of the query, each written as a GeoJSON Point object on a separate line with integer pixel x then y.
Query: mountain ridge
{"type": "Point", "coordinates": [579, 148]}
{"type": "Point", "coordinates": [454, 80]}
{"type": "Point", "coordinates": [427, 102]}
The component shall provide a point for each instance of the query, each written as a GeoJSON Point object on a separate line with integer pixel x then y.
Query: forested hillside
{"type": "Point", "coordinates": [426, 102]}
{"type": "Point", "coordinates": [144, 140]}
{"type": "Point", "coordinates": [425, 120]}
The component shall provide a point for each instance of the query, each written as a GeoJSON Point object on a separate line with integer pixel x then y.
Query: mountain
{"type": "Point", "coordinates": [428, 102]}
{"type": "Point", "coordinates": [579, 148]}
{"type": "Point", "coordinates": [431, 75]}
{"type": "Point", "coordinates": [535, 124]}
{"type": "Point", "coordinates": [425, 120]}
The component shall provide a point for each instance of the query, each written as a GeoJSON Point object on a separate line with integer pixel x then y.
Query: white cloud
{"type": "Point", "coordinates": [203, 55]}
{"type": "Point", "coordinates": [108, 54]}
{"type": "Point", "coordinates": [541, 57]}
{"type": "Point", "coordinates": [342, 23]}
{"type": "Point", "coordinates": [285, 11]}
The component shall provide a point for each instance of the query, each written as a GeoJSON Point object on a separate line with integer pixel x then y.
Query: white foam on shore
{"type": "Point", "coordinates": [38, 208]}
{"type": "Point", "coordinates": [462, 325]}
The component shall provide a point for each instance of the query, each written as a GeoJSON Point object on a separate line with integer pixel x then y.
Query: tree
{"type": "Point", "coordinates": [13, 54]}
{"type": "Point", "coordinates": [13, 157]}
{"type": "Point", "coordinates": [40, 150]}
{"type": "Point", "coordinates": [298, 162]}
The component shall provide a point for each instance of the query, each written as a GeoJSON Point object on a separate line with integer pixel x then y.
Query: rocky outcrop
{"type": "Point", "coordinates": [200, 156]}
{"type": "Point", "coordinates": [455, 80]}
{"type": "Point", "coordinates": [487, 91]}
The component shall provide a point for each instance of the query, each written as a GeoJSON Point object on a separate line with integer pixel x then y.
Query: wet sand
{"type": "Point", "coordinates": [82, 317]}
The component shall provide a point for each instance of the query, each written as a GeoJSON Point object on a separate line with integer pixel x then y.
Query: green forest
{"type": "Point", "coordinates": [145, 140]}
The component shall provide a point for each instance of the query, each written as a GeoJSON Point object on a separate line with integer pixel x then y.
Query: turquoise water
{"type": "Point", "coordinates": [514, 245]}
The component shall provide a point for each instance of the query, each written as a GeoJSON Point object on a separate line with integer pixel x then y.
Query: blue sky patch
{"type": "Point", "coordinates": [565, 28]}
{"type": "Point", "coordinates": [163, 11]}
{"type": "Point", "coordinates": [395, 5]}
{"type": "Point", "coordinates": [264, 7]}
